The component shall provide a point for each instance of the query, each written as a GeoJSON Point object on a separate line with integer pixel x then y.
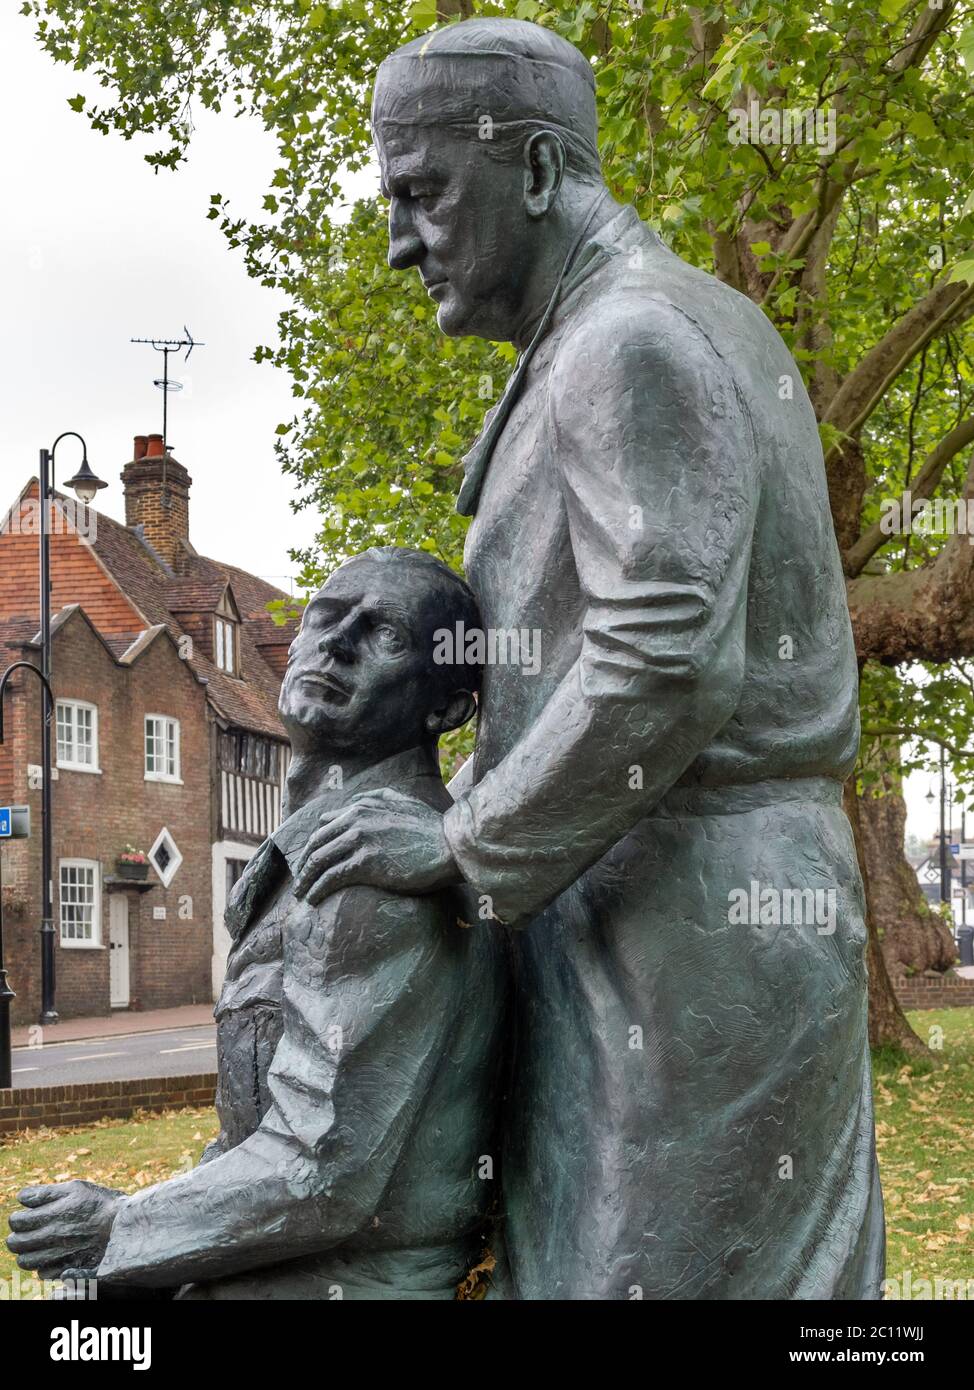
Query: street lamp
{"type": "Point", "coordinates": [85, 485]}
{"type": "Point", "coordinates": [944, 860]}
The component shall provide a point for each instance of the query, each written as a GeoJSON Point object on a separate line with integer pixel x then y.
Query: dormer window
{"type": "Point", "coordinates": [225, 646]}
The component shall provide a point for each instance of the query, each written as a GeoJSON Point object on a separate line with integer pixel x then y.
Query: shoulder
{"type": "Point", "coordinates": [631, 330]}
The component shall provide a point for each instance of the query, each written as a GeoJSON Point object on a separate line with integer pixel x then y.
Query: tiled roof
{"type": "Point", "coordinates": [252, 596]}
{"type": "Point", "coordinates": [156, 594]}
{"type": "Point", "coordinates": [194, 596]}
{"type": "Point", "coordinates": [14, 632]}
{"type": "Point", "coordinates": [120, 645]}
{"type": "Point", "coordinates": [249, 700]}
{"type": "Point", "coordinates": [75, 569]}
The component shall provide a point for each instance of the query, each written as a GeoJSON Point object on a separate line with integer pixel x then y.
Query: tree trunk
{"type": "Point", "coordinates": [887, 1022]}
{"type": "Point", "coordinates": [913, 937]}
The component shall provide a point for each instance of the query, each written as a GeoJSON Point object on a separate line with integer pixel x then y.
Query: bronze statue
{"type": "Point", "coordinates": [360, 1042]}
{"type": "Point", "coordinates": [652, 817]}
{"type": "Point", "coordinates": [692, 1115]}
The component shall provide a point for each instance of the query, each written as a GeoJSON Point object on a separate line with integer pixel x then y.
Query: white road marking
{"type": "Point", "coordinates": [193, 1047]}
{"type": "Point", "coordinates": [92, 1057]}
{"type": "Point", "coordinates": [18, 1070]}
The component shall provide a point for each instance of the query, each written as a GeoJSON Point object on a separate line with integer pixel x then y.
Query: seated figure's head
{"type": "Point", "coordinates": [487, 137]}
{"type": "Point", "coordinates": [361, 676]}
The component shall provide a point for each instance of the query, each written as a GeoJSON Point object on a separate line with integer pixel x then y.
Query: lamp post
{"type": "Point", "coordinates": [85, 486]}
{"type": "Point", "coordinates": [963, 864]}
{"type": "Point", "coordinates": [944, 856]}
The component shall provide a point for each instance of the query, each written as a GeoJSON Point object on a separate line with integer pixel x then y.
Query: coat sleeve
{"type": "Point", "coordinates": [652, 450]}
{"type": "Point", "coordinates": [361, 1039]}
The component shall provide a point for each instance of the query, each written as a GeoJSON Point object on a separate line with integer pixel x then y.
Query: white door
{"type": "Point", "coordinates": [118, 937]}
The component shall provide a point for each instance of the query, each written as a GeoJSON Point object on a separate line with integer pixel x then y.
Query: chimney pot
{"type": "Point", "coordinates": [141, 444]}
{"type": "Point", "coordinates": [154, 446]}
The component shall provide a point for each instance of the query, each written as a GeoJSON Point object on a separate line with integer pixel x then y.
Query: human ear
{"type": "Point", "coordinates": [457, 710]}
{"type": "Point", "coordinates": [544, 161]}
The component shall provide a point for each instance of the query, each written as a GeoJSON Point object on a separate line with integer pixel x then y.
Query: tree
{"type": "Point", "coordinates": [809, 152]}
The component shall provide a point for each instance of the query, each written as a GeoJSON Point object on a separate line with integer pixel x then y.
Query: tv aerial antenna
{"type": "Point", "coordinates": [166, 346]}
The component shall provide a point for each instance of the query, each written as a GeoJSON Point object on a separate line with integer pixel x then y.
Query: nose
{"type": "Point", "coordinates": [339, 641]}
{"type": "Point", "coordinates": [405, 245]}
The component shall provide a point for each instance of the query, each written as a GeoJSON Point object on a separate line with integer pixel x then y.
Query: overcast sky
{"type": "Point", "coordinates": [95, 249]}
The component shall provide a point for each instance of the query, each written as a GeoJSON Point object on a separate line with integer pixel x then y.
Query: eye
{"type": "Point", "coordinates": [387, 637]}
{"type": "Point", "coordinates": [422, 193]}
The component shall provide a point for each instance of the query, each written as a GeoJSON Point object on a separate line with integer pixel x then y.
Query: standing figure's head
{"type": "Point", "coordinates": [487, 139]}
{"type": "Point", "coordinates": [362, 675]}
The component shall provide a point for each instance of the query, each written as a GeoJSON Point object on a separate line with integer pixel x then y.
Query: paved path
{"type": "Point", "coordinates": [119, 1023]}
{"type": "Point", "coordinates": [166, 1052]}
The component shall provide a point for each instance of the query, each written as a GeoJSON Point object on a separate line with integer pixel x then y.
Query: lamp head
{"type": "Point", "coordinates": [85, 484]}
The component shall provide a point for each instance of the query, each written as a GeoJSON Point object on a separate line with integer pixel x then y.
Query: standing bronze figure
{"type": "Point", "coordinates": [656, 813]}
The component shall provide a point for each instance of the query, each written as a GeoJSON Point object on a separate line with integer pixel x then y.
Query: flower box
{"type": "Point", "coordinates": [136, 873]}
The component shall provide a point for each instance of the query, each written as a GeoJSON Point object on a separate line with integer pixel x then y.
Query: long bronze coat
{"type": "Point", "coordinates": [692, 1115]}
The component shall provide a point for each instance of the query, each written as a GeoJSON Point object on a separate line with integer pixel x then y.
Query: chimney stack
{"type": "Point", "coordinates": [157, 497]}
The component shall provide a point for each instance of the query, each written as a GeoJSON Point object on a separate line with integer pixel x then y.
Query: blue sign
{"type": "Point", "coordinates": [14, 822]}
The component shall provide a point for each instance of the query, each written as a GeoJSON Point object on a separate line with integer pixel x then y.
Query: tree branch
{"type": "Point", "coordinates": [874, 538]}
{"type": "Point", "coordinates": [865, 386]}
{"type": "Point", "coordinates": [925, 614]}
{"type": "Point", "coordinates": [927, 28]}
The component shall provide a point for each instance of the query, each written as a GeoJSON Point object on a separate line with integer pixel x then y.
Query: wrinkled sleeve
{"type": "Point", "coordinates": [652, 450]}
{"type": "Point", "coordinates": [360, 1041]}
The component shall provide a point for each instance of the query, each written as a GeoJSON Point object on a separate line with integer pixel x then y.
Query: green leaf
{"type": "Point", "coordinates": [962, 271]}
{"type": "Point", "coordinates": [922, 125]}
{"type": "Point", "coordinates": [965, 47]}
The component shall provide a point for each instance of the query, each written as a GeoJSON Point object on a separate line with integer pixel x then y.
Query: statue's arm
{"type": "Point", "coordinates": [653, 453]}
{"type": "Point", "coordinates": [348, 1079]}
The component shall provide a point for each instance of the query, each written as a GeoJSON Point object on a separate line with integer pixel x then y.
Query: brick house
{"type": "Point", "coordinates": [166, 668]}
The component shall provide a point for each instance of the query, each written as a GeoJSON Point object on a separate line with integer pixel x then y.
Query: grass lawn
{"type": "Point", "coordinates": [126, 1154]}
{"type": "Point", "coordinates": [925, 1137]}
{"type": "Point", "coordinates": [924, 1126]}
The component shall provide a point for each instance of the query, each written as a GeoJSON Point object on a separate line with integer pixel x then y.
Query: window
{"type": "Point", "coordinates": [226, 645]}
{"type": "Point", "coordinates": [250, 755]}
{"type": "Point", "coordinates": [161, 748]}
{"type": "Point", "coordinates": [235, 868]}
{"type": "Point", "coordinates": [80, 902]}
{"type": "Point", "coordinates": [165, 858]}
{"type": "Point", "coordinates": [77, 736]}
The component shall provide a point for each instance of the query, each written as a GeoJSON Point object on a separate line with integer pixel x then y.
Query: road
{"type": "Point", "coordinates": [173, 1052]}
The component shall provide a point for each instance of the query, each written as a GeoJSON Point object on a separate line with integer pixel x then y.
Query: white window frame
{"type": "Point", "coordinates": [175, 861]}
{"type": "Point", "coordinates": [69, 764]}
{"type": "Point", "coordinates": [153, 776]}
{"type": "Point", "coordinates": [226, 645]}
{"type": "Point", "coordinates": [93, 943]}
